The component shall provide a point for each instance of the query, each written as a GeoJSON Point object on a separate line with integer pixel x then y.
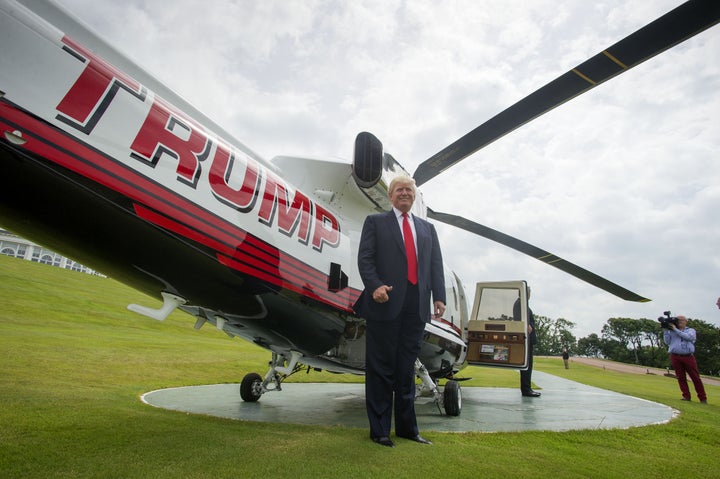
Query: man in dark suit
{"type": "Point", "coordinates": [526, 375]}
{"type": "Point", "coordinates": [401, 266]}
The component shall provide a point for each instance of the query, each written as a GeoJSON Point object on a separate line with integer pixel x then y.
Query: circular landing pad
{"type": "Point", "coordinates": [564, 405]}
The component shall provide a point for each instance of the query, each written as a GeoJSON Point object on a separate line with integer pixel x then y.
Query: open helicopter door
{"type": "Point", "coordinates": [497, 330]}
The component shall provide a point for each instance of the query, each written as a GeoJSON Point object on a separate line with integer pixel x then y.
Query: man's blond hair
{"type": "Point", "coordinates": [401, 180]}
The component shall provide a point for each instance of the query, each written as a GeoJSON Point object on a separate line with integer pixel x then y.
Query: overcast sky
{"type": "Point", "coordinates": [623, 181]}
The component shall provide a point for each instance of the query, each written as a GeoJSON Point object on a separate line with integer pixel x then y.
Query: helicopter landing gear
{"type": "Point", "coordinates": [253, 385]}
{"type": "Point", "coordinates": [451, 397]}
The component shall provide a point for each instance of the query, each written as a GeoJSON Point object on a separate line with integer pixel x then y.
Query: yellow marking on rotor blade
{"type": "Point", "coordinates": [547, 259]}
{"type": "Point", "coordinates": [577, 72]}
{"type": "Point", "coordinates": [620, 64]}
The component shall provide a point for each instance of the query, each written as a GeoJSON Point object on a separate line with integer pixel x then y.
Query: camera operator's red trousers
{"type": "Point", "coordinates": [687, 364]}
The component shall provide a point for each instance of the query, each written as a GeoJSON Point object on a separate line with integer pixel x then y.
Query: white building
{"type": "Point", "coordinates": [17, 247]}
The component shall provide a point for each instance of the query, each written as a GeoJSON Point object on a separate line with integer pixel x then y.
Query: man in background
{"type": "Point", "coordinates": [566, 358]}
{"type": "Point", "coordinates": [681, 344]}
{"type": "Point", "coordinates": [526, 375]}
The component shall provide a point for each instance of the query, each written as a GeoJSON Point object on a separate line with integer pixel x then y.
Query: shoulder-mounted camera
{"type": "Point", "coordinates": [667, 320]}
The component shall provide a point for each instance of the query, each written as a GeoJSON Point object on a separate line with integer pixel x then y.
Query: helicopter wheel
{"type": "Point", "coordinates": [251, 387]}
{"type": "Point", "coordinates": [452, 398]}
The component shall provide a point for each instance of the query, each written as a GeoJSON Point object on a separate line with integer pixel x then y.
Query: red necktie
{"type": "Point", "coordinates": [410, 250]}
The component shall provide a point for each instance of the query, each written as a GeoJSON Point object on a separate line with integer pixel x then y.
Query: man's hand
{"type": "Point", "coordinates": [439, 309]}
{"type": "Point", "coordinates": [380, 295]}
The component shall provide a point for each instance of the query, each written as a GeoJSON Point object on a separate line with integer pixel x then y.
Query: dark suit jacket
{"type": "Point", "coordinates": [532, 339]}
{"type": "Point", "coordinates": [382, 260]}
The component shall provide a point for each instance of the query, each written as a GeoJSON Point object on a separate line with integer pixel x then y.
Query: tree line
{"type": "Point", "coordinates": [627, 340]}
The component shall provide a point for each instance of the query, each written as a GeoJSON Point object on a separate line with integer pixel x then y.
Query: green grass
{"type": "Point", "coordinates": [73, 362]}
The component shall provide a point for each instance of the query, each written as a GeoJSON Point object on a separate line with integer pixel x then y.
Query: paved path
{"type": "Point", "coordinates": [633, 369]}
{"type": "Point", "coordinates": [564, 405]}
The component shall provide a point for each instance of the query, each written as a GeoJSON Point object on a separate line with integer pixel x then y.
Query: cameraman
{"type": "Point", "coordinates": [681, 345]}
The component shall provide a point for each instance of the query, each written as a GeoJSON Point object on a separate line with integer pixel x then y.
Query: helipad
{"type": "Point", "coordinates": [564, 405]}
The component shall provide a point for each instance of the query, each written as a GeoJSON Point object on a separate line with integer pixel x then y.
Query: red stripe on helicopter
{"type": "Point", "coordinates": [193, 222]}
{"type": "Point", "coordinates": [250, 260]}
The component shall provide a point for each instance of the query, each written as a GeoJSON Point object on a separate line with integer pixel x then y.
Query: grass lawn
{"type": "Point", "coordinates": [73, 362]}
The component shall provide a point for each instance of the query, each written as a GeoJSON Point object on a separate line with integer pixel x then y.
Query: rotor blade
{"type": "Point", "coordinates": [536, 253]}
{"type": "Point", "coordinates": [667, 31]}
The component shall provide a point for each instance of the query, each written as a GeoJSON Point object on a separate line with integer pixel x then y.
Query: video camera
{"type": "Point", "coordinates": [667, 320]}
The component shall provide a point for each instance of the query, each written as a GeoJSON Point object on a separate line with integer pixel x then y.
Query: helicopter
{"type": "Point", "coordinates": [108, 166]}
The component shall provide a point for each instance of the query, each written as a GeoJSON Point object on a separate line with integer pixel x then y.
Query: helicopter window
{"type": "Point", "coordinates": [497, 304]}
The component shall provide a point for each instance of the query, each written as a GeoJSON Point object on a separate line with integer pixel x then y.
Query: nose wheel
{"type": "Point", "coordinates": [452, 398]}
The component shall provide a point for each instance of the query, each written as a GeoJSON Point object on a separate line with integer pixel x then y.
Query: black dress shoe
{"type": "Point", "coordinates": [417, 438]}
{"type": "Point", "coordinates": [531, 394]}
{"type": "Point", "coordinates": [383, 441]}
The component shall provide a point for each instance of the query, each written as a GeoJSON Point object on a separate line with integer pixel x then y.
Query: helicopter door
{"type": "Point", "coordinates": [497, 330]}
